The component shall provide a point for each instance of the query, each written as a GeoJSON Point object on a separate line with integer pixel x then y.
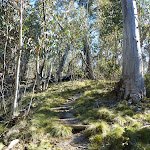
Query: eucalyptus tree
{"type": "Point", "coordinates": [67, 31]}
{"type": "Point", "coordinates": [132, 75]}
{"type": "Point", "coordinates": [87, 53]}
{"type": "Point", "coordinates": [9, 26]}
{"type": "Point", "coordinates": [144, 27]}
{"type": "Point", "coordinates": [15, 104]}
{"type": "Point", "coordinates": [109, 27]}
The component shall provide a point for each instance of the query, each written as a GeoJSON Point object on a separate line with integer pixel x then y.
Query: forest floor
{"type": "Point", "coordinates": [77, 141]}
{"type": "Point", "coordinates": [78, 115]}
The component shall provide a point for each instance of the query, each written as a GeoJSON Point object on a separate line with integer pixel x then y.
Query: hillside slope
{"type": "Point", "coordinates": [79, 115]}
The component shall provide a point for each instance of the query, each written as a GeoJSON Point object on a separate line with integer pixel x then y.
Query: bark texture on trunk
{"type": "Point", "coordinates": [15, 105]}
{"type": "Point", "coordinates": [62, 63]}
{"type": "Point", "coordinates": [42, 66]}
{"type": "Point", "coordinates": [149, 59]}
{"type": "Point", "coordinates": [24, 64]}
{"type": "Point", "coordinates": [38, 77]}
{"type": "Point", "coordinates": [87, 53]}
{"type": "Point", "coordinates": [133, 86]}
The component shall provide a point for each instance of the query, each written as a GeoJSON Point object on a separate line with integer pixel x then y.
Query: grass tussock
{"type": "Point", "coordinates": [58, 130]}
{"type": "Point", "coordinates": [114, 125]}
{"type": "Point", "coordinates": [100, 127]}
{"type": "Point", "coordinates": [42, 125]}
{"type": "Point", "coordinates": [105, 114]}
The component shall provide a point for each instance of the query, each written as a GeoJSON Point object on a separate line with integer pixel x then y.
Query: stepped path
{"type": "Point", "coordinates": [77, 141]}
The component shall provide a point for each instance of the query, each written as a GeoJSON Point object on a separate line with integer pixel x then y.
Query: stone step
{"type": "Point", "coordinates": [77, 126]}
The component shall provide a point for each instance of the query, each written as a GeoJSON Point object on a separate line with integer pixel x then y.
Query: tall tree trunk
{"type": "Point", "coordinates": [38, 78]}
{"type": "Point", "coordinates": [44, 57]}
{"type": "Point", "coordinates": [24, 64]}
{"type": "Point", "coordinates": [133, 86]}
{"type": "Point", "coordinates": [4, 71]}
{"type": "Point", "coordinates": [149, 59]}
{"type": "Point", "coordinates": [49, 75]}
{"type": "Point", "coordinates": [87, 53]}
{"type": "Point", "coordinates": [42, 66]}
{"type": "Point", "coordinates": [18, 64]}
{"type": "Point", "coordinates": [62, 63]}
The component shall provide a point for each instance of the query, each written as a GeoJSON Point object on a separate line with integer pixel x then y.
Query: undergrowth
{"type": "Point", "coordinates": [41, 127]}
{"type": "Point", "coordinates": [113, 124]}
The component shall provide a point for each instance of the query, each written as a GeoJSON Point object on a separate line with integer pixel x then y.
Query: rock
{"type": "Point", "coordinates": [135, 98]}
{"type": "Point", "coordinates": [12, 144]}
{"type": "Point", "coordinates": [77, 126]}
{"type": "Point", "coordinates": [139, 109]}
{"type": "Point", "coordinates": [130, 101]}
{"type": "Point", "coordinates": [84, 147]}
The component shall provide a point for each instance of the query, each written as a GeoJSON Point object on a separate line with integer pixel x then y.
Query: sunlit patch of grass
{"type": "Point", "coordinates": [93, 92]}
{"type": "Point", "coordinates": [22, 125]}
{"type": "Point", "coordinates": [129, 120]}
{"type": "Point", "coordinates": [39, 142]}
{"type": "Point", "coordinates": [117, 131]}
{"type": "Point", "coordinates": [112, 139]}
{"type": "Point", "coordinates": [100, 127]}
{"type": "Point", "coordinates": [114, 125]}
{"type": "Point", "coordinates": [43, 117]}
{"type": "Point", "coordinates": [124, 121]}
{"type": "Point", "coordinates": [146, 117]}
{"type": "Point", "coordinates": [96, 142]}
{"type": "Point", "coordinates": [137, 125]}
{"type": "Point", "coordinates": [120, 120]}
{"type": "Point", "coordinates": [138, 116]}
{"type": "Point", "coordinates": [59, 130]}
{"type": "Point", "coordinates": [106, 114]}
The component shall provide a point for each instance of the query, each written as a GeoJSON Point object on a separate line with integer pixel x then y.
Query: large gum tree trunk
{"type": "Point", "coordinates": [133, 86]}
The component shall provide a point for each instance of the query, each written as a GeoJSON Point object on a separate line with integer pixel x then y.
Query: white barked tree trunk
{"type": "Point", "coordinates": [133, 86]}
{"type": "Point", "coordinates": [15, 104]}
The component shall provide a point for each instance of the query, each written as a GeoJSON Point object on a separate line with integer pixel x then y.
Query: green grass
{"type": "Point", "coordinates": [43, 125]}
{"type": "Point", "coordinates": [114, 125]}
{"type": "Point", "coordinates": [58, 130]}
{"type": "Point", "coordinates": [120, 122]}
